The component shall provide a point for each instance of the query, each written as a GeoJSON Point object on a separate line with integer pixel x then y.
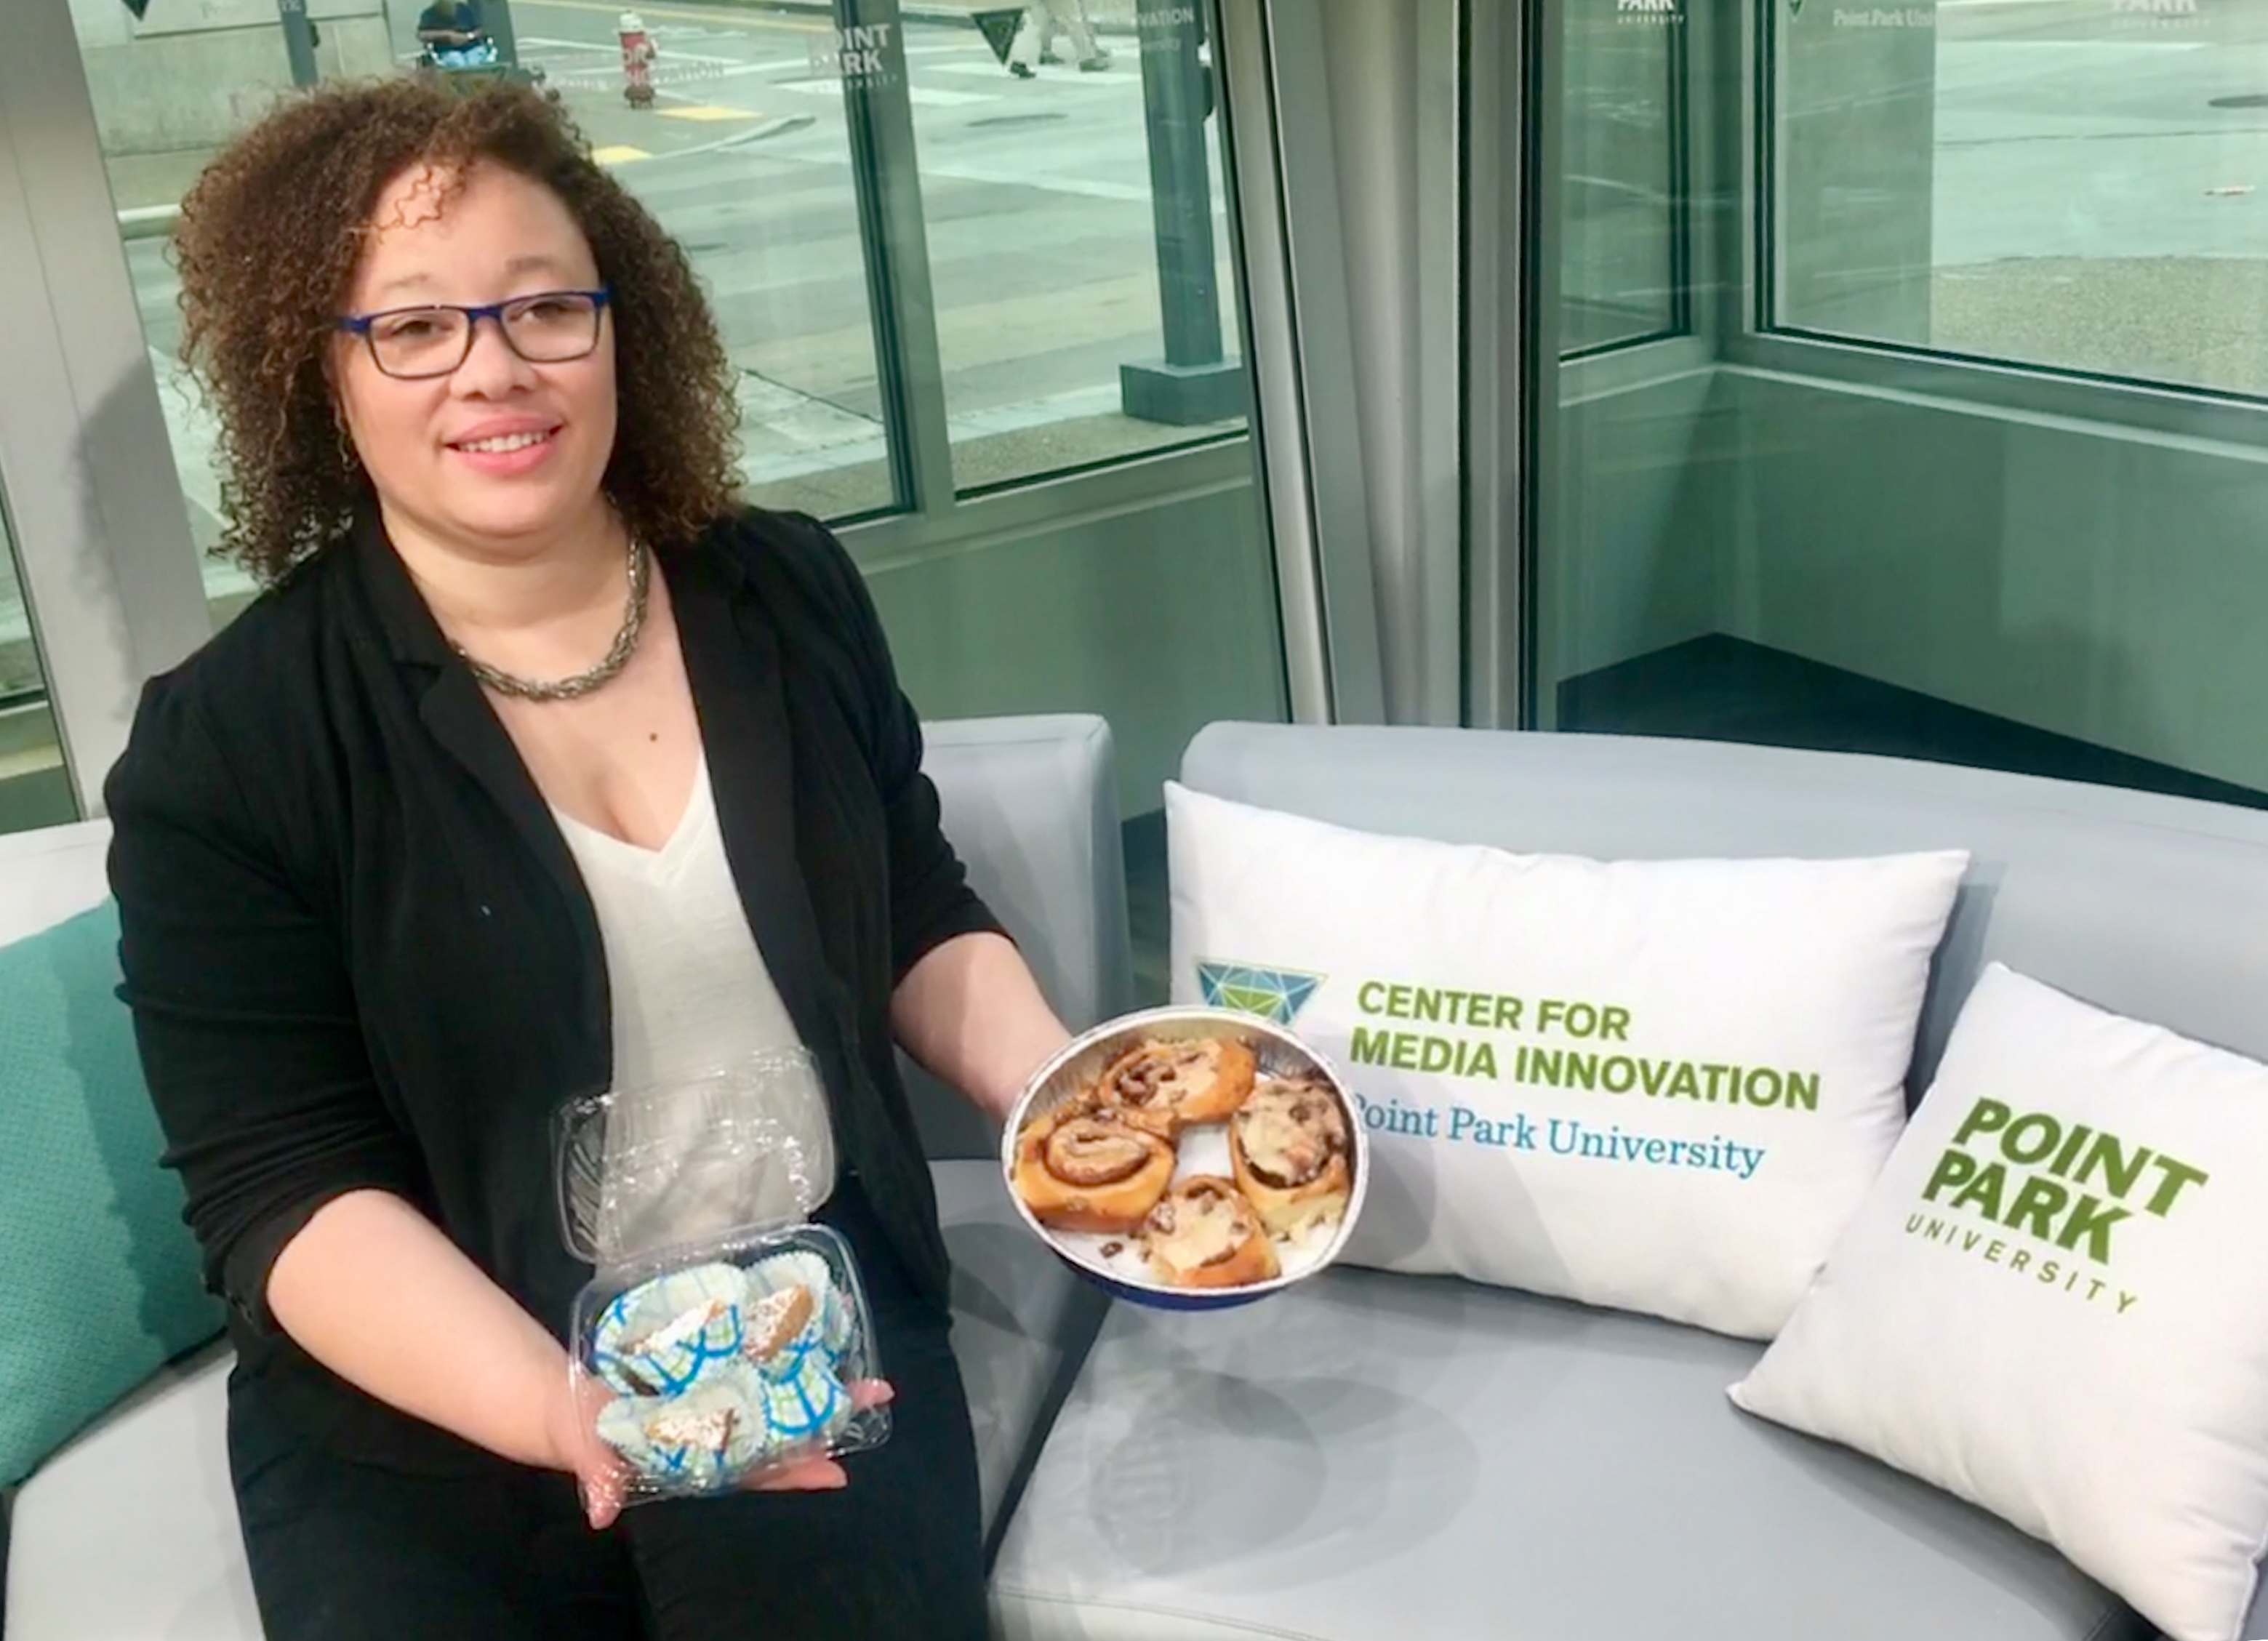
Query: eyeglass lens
{"type": "Point", "coordinates": [547, 329]}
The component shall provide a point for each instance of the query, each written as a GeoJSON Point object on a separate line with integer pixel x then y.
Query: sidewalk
{"type": "Point", "coordinates": [1106, 16]}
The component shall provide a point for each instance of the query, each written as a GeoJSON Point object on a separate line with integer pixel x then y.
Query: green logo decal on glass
{"type": "Point", "coordinates": [1273, 993]}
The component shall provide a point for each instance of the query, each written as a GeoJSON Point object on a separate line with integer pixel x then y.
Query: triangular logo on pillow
{"type": "Point", "coordinates": [1273, 993]}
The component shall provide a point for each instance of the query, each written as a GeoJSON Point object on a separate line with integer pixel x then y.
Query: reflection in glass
{"type": "Point", "coordinates": [34, 788]}
{"type": "Point", "coordinates": [1079, 251]}
{"type": "Point", "coordinates": [1620, 185]}
{"type": "Point", "coordinates": [2067, 185]}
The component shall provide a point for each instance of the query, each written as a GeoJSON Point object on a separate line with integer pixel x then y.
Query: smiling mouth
{"type": "Point", "coordinates": [508, 443]}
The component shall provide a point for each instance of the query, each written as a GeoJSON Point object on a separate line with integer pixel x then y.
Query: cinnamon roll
{"type": "Point", "coordinates": [1203, 1234]}
{"type": "Point", "coordinates": [1287, 1147]}
{"type": "Point", "coordinates": [1164, 1085]}
{"type": "Point", "coordinates": [1086, 1170]}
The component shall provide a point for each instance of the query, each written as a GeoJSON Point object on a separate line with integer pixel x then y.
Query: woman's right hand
{"type": "Point", "coordinates": [603, 1478]}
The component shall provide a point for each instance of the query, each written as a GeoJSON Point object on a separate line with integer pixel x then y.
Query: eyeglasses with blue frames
{"type": "Point", "coordinates": [546, 328]}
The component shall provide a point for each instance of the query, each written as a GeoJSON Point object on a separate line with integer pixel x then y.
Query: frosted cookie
{"type": "Point", "coordinates": [1090, 1170]}
{"type": "Point", "coordinates": [1287, 1149]}
{"type": "Point", "coordinates": [657, 1339]}
{"type": "Point", "coordinates": [1204, 1234]}
{"type": "Point", "coordinates": [802, 1268]}
{"type": "Point", "coordinates": [722, 1371]}
{"type": "Point", "coordinates": [769, 1321]}
{"type": "Point", "coordinates": [1164, 1085]}
{"type": "Point", "coordinates": [798, 1353]}
{"type": "Point", "coordinates": [697, 1441]}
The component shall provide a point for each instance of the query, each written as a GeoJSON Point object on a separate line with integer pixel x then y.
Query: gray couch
{"type": "Point", "coordinates": [1376, 1456]}
{"type": "Point", "coordinates": [1382, 1458]}
{"type": "Point", "coordinates": [128, 1533]}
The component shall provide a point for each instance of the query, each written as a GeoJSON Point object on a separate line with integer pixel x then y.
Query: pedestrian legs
{"type": "Point", "coordinates": [1042, 19]}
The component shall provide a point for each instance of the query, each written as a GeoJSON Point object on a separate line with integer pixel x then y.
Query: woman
{"type": "Point", "coordinates": [539, 755]}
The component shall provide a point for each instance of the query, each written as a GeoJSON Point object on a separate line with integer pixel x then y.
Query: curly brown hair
{"type": "Point", "coordinates": [268, 243]}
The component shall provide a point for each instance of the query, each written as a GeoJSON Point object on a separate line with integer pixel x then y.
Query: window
{"type": "Point", "coordinates": [1621, 217]}
{"type": "Point", "coordinates": [34, 791]}
{"type": "Point", "coordinates": [746, 175]}
{"type": "Point", "coordinates": [941, 279]}
{"type": "Point", "coordinates": [1077, 238]}
{"type": "Point", "coordinates": [1767, 540]}
{"type": "Point", "coordinates": [2077, 187]}
{"type": "Point", "coordinates": [1070, 307]}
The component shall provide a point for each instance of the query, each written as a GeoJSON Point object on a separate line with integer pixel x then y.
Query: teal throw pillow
{"type": "Point", "coordinates": [100, 1280]}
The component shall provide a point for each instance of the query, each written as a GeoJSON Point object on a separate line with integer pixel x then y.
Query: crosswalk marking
{"type": "Point", "coordinates": [707, 111]}
{"type": "Point", "coordinates": [618, 154]}
{"type": "Point", "coordinates": [928, 96]}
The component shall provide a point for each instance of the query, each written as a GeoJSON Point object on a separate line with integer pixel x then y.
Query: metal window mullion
{"type": "Point", "coordinates": [1543, 58]}
{"type": "Point", "coordinates": [1253, 176]}
{"type": "Point", "coordinates": [1718, 109]}
{"type": "Point", "coordinates": [1493, 369]}
{"type": "Point", "coordinates": [1274, 73]}
{"type": "Point", "coordinates": [901, 308]}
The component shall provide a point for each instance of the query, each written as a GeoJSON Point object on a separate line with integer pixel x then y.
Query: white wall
{"type": "Point", "coordinates": [2088, 579]}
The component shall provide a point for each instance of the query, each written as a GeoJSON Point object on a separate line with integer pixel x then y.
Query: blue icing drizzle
{"type": "Point", "coordinates": [696, 1409]}
{"type": "Point", "coordinates": [805, 1404]}
{"type": "Point", "coordinates": [662, 1336]}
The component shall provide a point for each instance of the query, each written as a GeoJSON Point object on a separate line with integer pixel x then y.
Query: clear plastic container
{"type": "Point", "coordinates": [745, 1358]}
{"type": "Point", "coordinates": [689, 1163]}
{"type": "Point", "coordinates": [731, 1335]}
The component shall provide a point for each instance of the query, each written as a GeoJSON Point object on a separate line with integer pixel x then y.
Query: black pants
{"type": "Point", "coordinates": [348, 1552]}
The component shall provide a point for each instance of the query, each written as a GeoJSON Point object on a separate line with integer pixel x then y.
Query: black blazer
{"type": "Point", "coordinates": [359, 954]}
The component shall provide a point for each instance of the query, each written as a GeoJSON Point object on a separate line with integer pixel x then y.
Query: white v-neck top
{"type": "Point", "coordinates": [690, 989]}
{"type": "Point", "coordinates": [690, 996]}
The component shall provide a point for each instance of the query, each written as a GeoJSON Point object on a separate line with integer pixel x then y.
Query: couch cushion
{"type": "Point", "coordinates": [1021, 1321]}
{"type": "Point", "coordinates": [51, 874]}
{"type": "Point", "coordinates": [1031, 805]}
{"type": "Point", "coordinates": [130, 1533]}
{"type": "Point", "coordinates": [148, 1488]}
{"type": "Point", "coordinates": [1388, 1457]}
{"type": "Point", "coordinates": [1707, 1054]}
{"type": "Point", "coordinates": [2074, 1226]}
{"type": "Point", "coordinates": [100, 1279]}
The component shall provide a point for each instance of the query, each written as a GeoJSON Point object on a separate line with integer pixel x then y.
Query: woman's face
{"type": "Point", "coordinates": [500, 457]}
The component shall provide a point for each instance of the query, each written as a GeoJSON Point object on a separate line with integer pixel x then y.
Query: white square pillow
{"type": "Point", "coordinates": [1660, 1085]}
{"type": "Point", "coordinates": [2054, 1303]}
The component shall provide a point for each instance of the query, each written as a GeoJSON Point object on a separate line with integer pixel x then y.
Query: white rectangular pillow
{"type": "Point", "coordinates": [2054, 1303]}
{"type": "Point", "coordinates": [1659, 1086]}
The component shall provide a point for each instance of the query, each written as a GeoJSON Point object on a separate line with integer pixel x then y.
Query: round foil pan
{"type": "Point", "coordinates": [1203, 1148]}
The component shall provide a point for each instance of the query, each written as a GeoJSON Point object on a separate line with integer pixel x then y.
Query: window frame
{"type": "Point", "coordinates": [2012, 387]}
{"type": "Point", "coordinates": [1684, 263]}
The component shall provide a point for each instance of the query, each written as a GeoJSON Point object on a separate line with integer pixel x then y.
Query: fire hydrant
{"type": "Point", "coordinates": [637, 55]}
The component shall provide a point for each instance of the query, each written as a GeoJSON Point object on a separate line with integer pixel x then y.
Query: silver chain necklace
{"type": "Point", "coordinates": [617, 655]}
